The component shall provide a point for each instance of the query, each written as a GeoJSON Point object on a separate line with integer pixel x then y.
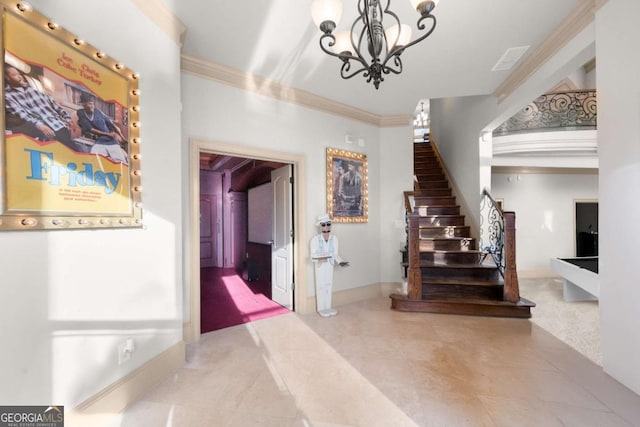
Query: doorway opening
{"type": "Point", "coordinates": [220, 250]}
{"type": "Point", "coordinates": [586, 231]}
{"type": "Point", "coordinates": [240, 270]}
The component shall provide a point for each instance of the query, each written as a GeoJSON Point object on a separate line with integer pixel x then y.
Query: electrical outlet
{"type": "Point", "coordinates": [125, 350]}
{"type": "Point", "coordinates": [123, 353]}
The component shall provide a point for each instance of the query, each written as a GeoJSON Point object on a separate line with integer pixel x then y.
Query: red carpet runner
{"type": "Point", "coordinates": [227, 300]}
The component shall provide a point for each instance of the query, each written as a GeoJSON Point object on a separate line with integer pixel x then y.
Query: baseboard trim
{"type": "Point", "coordinates": [187, 332]}
{"type": "Point", "coordinates": [362, 293]}
{"type": "Point", "coordinates": [538, 273]}
{"type": "Point", "coordinates": [389, 288]}
{"type": "Point", "coordinates": [100, 409]}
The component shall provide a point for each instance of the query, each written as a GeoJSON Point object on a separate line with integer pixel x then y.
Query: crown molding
{"type": "Point", "coordinates": [393, 121]}
{"type": "Point", "coordinates": [578, 19]}
{"type": "Point", "coordinates": [264, 86]}
{"type": "Point", "coordinates": [160, 15]}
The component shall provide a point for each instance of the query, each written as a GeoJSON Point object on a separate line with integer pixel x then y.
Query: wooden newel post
{"type": "Point", "coordinates": [414, 275]}
{"type": "Point", "coordinates": [511, 287]}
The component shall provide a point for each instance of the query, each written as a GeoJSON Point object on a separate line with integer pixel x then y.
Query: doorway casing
{"type": "Point", "coordinates": [191, 326]}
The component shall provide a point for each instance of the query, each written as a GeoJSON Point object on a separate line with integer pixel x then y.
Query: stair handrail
{"type": "Point", "coordinates": [409, 202]}
{"type": "Point", "coordinates": [498, 239]}
{"type": "Point", "coordinates": [492, 230]}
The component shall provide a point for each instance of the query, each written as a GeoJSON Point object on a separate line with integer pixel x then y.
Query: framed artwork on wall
{"type": "Point", "coordinates": [69, 154]}
{"type": "Point", "coordinates": [347, 186]}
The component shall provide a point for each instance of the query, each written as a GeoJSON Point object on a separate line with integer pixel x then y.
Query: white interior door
{"type": "Point", "coordinates": [282, 246]}
{"type": "Point", "coordinates": [211, 249]}
{"type": "Point", "coordinates": [208, 231]}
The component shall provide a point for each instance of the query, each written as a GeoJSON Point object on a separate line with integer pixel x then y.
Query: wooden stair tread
{"type": "Point", "coordinates": [426, 193]}
{"type": "Point", "coordinates": [522, 303]}
{"type": "Point", "coordinates": [447, 238]}
{"type": "Point", "coordinates": [469, 307]}
{"type": "Point", "coordinates": [446, 252]}
{"type": "Point", "coordinates": [445, 265]}
{"type": "Point", "coordinates": [442, 226]}
{"type": "Point", "coordinates": [461, 282]}
{"type": "Point", "coordinates": [452, 251]}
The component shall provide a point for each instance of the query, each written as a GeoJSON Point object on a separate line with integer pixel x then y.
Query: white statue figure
{"type": "Point", "coordinates": [324, 254]}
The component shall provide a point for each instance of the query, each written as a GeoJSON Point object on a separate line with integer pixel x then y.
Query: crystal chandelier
{"type": "Point", "coordinates": [368, 36]}
{"type": "Point", "coordinates": [421, 119]}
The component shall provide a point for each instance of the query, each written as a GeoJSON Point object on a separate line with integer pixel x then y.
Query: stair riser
{"type": "Point", "coordinates": [439, 201]}
{"type": "Point", "coordinates": [433, 184]}
{"type": "Point", "coordinates": [420, 158]}
{"type": "Point", "coordinates": [439, 273]}
{"type": "Point", "coordinates": [424, 162]}
{"type": "Point", "coordinates": [420, 148]}
{"type": "Point", "coordinates": [427, 177]}
{"type": "Point", "coordinates": [441, 221]}
{"type": "Point", "coordinates": [435, 192]}
{"type": "Point", "coordinates": [468, 258]}
{"type": "Point", "coordinates": [461, 308]}
{"type": "Point", "coordinates": [492, 293]}
{"type": "Point", "coordinates": [438, 210]}
{"type": "Point", "coordinates": [444, 232]}
{"type": "Point", "coordinates": [447, 245]}
{"type": "Point", "coordinates": [427, 166]}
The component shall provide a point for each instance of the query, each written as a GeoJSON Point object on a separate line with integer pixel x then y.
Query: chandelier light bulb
{"type": "Point", "coordinates": [398, 36]}
{"type": "Point", "coordinates": [323, 11]}
{"type": "Point", "coordinates": [343, 43]}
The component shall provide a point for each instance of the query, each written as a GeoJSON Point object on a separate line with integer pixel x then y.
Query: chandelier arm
{"type": "Point", "coordinates": [346, 59]}
{"type": "Point", "coordinates": [395, 53]}
{"type": "Point", "coordinates": [421, 27]}
{"type": "Point", "coordinates": [390, 69]}
{"type": "Point", "coordinates": [331, 43]}
{"type": "Point", "coordinates": [345, 69]}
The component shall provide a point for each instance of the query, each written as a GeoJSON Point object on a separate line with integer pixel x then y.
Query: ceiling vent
{"type": "Point", "coordinates": [509, 58]}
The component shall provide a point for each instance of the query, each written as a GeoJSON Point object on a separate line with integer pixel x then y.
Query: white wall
{"type": "Point", "coordinates": [70, 297]}
{"type": "Point", "coordinates": [396, 176]}
{"type": "Point", "coordinates": [219, 113]}
{"type": "Point", "coordinates": [619, 149]}
{"type": "Point", "coordinates": [456, 124]}
{"type": "Point", "coordinates": [544, 207]}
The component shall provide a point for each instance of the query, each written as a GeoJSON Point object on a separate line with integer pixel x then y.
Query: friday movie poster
{"type": "Point", "coordinates": [67, 144]}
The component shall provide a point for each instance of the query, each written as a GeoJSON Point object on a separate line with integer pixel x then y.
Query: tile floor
{"type": "Point", "coordinates": [575, 323]}
{"type": "Point", "coordinates": [371, 366]}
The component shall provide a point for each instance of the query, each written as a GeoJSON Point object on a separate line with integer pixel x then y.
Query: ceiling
{"type": "Point", "coordinates": [277, 40]}
{"type": "Point", "coordinates": [245, 173]}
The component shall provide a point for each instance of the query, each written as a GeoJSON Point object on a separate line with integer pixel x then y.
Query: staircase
{"type": "Point", "coordinates": [448, 273]}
